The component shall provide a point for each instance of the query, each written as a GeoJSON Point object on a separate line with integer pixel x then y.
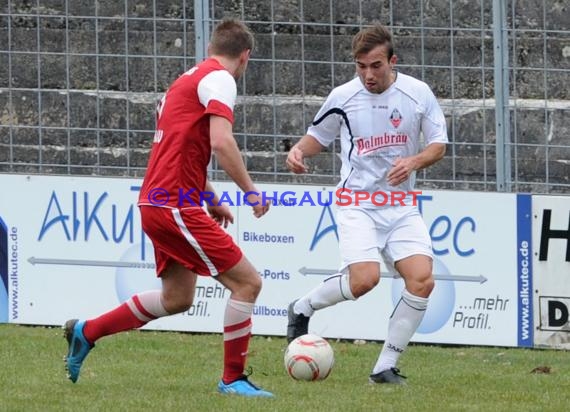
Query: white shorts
{"type": "Point", "coordinates": [395, 233]}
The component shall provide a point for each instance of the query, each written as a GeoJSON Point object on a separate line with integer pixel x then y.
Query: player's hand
{"type": "Point", "coordinates": [295, 161]}
{"type": "Point", "coordinates": [401, 171]}
{"type": "Point", "coordinates": [259, 206]}
{"type": "Point", "coordinates": [221, 214]}
{"type": "Point", "coordinates": [260, 210]}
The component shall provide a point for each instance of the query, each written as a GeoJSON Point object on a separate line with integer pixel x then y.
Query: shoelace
{"type": "Point", "coordinates": [397, 372]}
{"type": "Point", "coordinates": [245, 377]}
{"type": "Point", "coordinates": [248, 372]}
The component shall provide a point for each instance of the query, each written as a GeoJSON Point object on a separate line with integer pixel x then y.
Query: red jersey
{"type": "Point", "coordinates": [181, 151]}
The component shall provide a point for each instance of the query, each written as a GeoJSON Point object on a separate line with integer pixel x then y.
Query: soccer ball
{"type": "Point", "coordinates": [309, 358]}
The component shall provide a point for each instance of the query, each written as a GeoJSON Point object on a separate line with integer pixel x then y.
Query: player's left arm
{"type": "Point", "coordinates": [404, 167]}
{"type": "Point", "coordinates": [434, 129]}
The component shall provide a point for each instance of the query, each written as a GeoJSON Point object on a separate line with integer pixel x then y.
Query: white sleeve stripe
{"type": "Point", "coordinates": [218, 85]}
{"type": "Point", "coordinates": [439, 139]}
{"type": "Point", "coordinates": [318, 138]}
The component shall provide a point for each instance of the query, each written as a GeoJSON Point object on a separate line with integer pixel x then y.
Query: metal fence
{"type": "Point", "coordinates": [79, 81]}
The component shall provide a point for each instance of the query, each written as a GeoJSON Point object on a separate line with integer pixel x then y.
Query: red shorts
{"type": "Point", "coordinates": [190, 237]}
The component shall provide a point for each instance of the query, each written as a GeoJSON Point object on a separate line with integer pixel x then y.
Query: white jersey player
{"type": "Point", "coordinates": [380, 117]}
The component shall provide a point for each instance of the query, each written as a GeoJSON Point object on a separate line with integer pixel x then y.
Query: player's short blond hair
{"type": "Point", "coordinates": [368, 38]}
{"type": "Point", "coordinates": [230, 38]}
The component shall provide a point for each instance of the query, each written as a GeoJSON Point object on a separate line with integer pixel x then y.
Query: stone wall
{"type": "Point", "coordinates": [95, 103]}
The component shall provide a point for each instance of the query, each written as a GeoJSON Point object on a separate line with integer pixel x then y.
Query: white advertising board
{"type": "Point", "coordinates": [551, 266]}
{"type": "Point", "coordinates": [75, 248]}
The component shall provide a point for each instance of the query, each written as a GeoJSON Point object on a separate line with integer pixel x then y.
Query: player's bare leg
{"type": "Point", "coordinates": [178, 288]}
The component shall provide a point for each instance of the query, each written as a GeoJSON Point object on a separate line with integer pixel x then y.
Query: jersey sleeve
{"type": "Point", "coordinates": [434, 127]}
{"type": "Point", "coordinates": [217, 92]}
{"type": "Point", "coordinates": [327, 122]}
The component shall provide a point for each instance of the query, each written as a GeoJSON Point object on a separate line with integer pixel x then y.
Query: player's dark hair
{"type": "Point", "coordinates": [230, 38]}
{"type": "Point", "coordinates": [367, 39]}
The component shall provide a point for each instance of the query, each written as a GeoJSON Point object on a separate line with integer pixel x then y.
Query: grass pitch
{"type": "Point", "coordinates": [164, 371]}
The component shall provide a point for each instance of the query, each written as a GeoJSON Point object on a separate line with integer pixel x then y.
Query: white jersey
{"type": "Point", "coordinates": [376, 129]}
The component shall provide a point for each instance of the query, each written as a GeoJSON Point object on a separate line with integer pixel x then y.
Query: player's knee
{"type": "Point", "coordinates": [423, 287]}
{"type": "Point", "coordinates": [429, 284]}
{"type": "Point", "coordinates": [176, 303]}
{"type": "Point", "coordinates": [364, 285]}
{"type": "Point", "coordinates": [250, 288]}
{"type": "Point", "coordinates": [255, 285]}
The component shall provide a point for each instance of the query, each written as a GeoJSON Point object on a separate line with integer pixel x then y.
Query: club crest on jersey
{"type": "Point", "coordinates": [395, 118]}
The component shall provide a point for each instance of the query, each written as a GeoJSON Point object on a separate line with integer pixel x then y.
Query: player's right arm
{"type": "Point", "coordinates": [321, 133]}
{"type": "Point", "coordinates": [229, 157]}
{"type": "Point", "coordinates": [306, 147]}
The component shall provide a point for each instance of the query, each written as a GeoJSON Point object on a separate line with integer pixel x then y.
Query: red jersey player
{"type": "Point", "coordinates": [194, 119]}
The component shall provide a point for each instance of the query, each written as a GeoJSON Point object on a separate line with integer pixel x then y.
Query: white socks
{"type": "Point", "coordinates": [404, 322]}
{"type": "Point", "coordinates": [332, 291]}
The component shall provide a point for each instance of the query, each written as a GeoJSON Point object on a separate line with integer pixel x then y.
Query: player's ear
{"type": "Point", "coordinates": [393, 59]}
{"type": "Point", "coordinates": [244, 57]}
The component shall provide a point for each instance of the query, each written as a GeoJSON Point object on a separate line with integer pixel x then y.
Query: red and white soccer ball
{"type": "Point", "coordinates": [309, 358]}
